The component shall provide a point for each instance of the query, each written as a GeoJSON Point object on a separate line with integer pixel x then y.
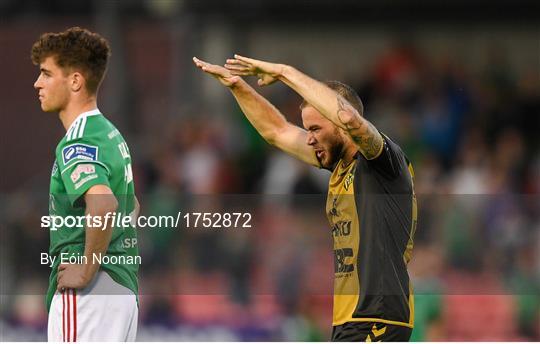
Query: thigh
{"type": "Point", "coordinates": [395, 333]}
{"type": "Point", "coordinates": [351, 332]}
{"type": "Point", "coordinates": [62, 321]}
{"type": "Point", "coordinates": [55, 321]}
{"type": "Point", "coordinates": [104, 311]}
{"type": "Point", "coordinates": [106, 318]}
{"type": "Point", "coordinates": [132, 330]}
{"type": "Point", "coordinates": [388, 333]}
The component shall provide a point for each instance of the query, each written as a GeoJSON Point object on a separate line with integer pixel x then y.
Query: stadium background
{"type": "Point", "coordinates": [457, 85]}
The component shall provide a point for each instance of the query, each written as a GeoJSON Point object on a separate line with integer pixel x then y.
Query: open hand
{"type": "Point", "coordinates": [222, 74]}
{"type": "Point", "coordinates": [267, 72]}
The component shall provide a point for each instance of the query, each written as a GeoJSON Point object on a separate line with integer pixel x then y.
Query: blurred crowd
{"type": "Point", "coordinates": [472, 136]}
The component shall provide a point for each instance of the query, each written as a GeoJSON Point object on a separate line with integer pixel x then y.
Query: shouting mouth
{"type": "Point", "coordinates": [319, 153]}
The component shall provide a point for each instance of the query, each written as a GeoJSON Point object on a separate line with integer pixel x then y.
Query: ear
{"type": "Point", "coordinates": [77, 81]}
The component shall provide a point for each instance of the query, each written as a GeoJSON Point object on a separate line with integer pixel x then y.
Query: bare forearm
{"type": "Point", "coordinates": [335, 108]}
{"type": "Point", "coordinates": [97, 238]}
{"type": "Point", "coordinates": [264, 116]}
{"type": "Point", "coordinates": [317, 94]}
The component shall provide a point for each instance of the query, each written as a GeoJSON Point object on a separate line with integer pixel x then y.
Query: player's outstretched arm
{"type": "Point", "coordinates": [264, 116]}
{"type": "Point", "coordinates": [329, 103]}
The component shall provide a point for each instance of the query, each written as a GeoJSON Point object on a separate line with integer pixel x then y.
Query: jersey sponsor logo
{"type": "Point", "coordinates": [128, 243]}
{"type": "Point", "coordinates": [80, 169]}
{"type": "Point", "coordinates": [333, 211]}
{"type": "Point", "coordinates": [341, 228]}
{"type": "Point", "coordinates": [84, 180]}
{"type": "Point", "coordinates": [54, 168]}
{"type": "Point", "coordinates": [79, 151]}
{"type": "Point", "coordinates": [340, 255]}
{"type": "Point", "coordinates": [349, 180]}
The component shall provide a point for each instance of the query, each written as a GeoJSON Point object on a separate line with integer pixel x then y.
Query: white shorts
{"type": "Point", "coordinates": [103, 311]}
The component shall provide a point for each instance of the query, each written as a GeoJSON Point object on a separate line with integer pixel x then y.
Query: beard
{"type": "Point", "coordinates": [334, 152]}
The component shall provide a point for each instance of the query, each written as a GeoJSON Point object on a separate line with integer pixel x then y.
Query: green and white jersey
{"type": "Point", "coordinates": [93, 152]}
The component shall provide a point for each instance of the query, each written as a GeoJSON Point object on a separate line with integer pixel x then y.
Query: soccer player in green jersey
{"type": "Point", "coordinates": [371, 205]}
{"type": "Point", "coordinates": [93, 283]}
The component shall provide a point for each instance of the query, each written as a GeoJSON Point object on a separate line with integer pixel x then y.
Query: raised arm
{"type": "Point", "coordinates": [264, 116]}
{"type": "Point", "coordinates": [328, 102]}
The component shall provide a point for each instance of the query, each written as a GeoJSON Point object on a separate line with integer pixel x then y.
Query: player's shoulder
{"type": "Point", "coordinates": [390, 142]}
{"type": "Point", "coordinates": [391, 161]}
{"type": "Point", "coordinates": [84, 138]}
{"type": "Point", "coordinates": [393, 147]}
{"type": "Point", "coordinates": [88, 126]}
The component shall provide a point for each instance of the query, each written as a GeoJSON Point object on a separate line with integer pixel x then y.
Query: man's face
{"type": "Point", "coordinates": [326, 138]}
{"type": "Point", "coordinates": [53, 86]}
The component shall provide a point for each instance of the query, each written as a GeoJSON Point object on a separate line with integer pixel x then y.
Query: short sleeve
{"type": "Point", "coordinates": [81, 176]}
{"type": "Point", "coordinates": [389, 162]}
{"type": "Point", "coordinates": [80, 169]}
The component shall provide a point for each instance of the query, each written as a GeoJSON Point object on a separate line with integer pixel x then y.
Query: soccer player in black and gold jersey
{"type": "Point", "coordinates": [371, 203]}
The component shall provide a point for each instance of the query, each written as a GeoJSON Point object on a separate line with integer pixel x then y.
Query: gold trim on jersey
{"type": "Point", "coordinates": [343, 218]}
{"type": "Point", "coordinates": [407, 255]}
{"type": "Point", "coordinates": [411, 305]}
{"type": "Point", "coordinates": [379, 320]}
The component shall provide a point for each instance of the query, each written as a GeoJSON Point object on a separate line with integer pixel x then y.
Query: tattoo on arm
{"type": "Point", "coordinates": [363, 133]}
{"type": "Point", "coordinates": [371, 142]}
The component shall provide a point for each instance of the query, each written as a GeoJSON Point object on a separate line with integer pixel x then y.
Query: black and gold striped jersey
{"type": "Point", "coordinates": [371, 208]}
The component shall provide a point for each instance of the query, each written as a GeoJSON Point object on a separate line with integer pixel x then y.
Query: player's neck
{"type": "Point", "coordinates": [74, 109]}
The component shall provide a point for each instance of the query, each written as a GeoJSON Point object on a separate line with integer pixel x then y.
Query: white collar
{"type": "Point", "coordinates": [83, 115]}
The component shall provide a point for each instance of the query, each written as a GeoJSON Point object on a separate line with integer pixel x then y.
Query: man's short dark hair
{"type": "Point", "coordinates": [75, 48]}
{"type": "Point", "coordinates": [346, 92]}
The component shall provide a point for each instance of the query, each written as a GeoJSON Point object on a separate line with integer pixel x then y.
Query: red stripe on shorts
{"type": "Point", "coordinates": [63, 316]}
{"type": "Point", "coordinates": [74, 316]}
{"type": "Point", "coordinates": [68, 318]}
